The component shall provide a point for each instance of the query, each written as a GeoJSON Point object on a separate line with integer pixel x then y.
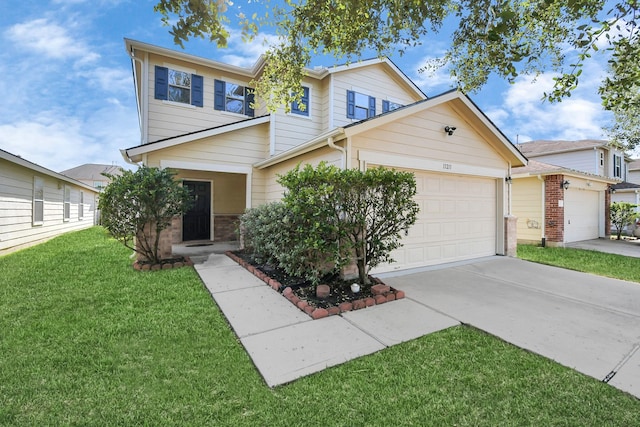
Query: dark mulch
{"type": "Point", "coordinates": [340, 289]}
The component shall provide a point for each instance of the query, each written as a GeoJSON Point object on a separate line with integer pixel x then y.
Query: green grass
{"type": "Point", "coordinates": [86, 340]}
{"type": "Point", "coordinates": [602, 264]}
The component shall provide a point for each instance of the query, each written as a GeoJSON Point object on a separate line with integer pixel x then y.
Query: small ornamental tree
{"type": "Point", "coordinates": [621, 215]}
{"type": "Point", "coordinates": [348, 215]}
{"type": "Point", "coordinates": [136, 206]}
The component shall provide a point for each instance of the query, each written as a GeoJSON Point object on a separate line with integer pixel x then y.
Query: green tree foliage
{"type": "Point", "coordinates": [345, 216]}
{"type": "Point", "coordinates": [502, 37]}
{"type": "Point", "coordinates": [136, 206]}
{"type": "Point", "coordinates": [621, 215]}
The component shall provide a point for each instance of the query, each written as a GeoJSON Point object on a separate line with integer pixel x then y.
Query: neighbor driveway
{"type": "Point", "coordinates": [586, 322]}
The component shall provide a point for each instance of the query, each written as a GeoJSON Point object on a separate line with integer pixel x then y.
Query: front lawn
{"type": "Point", "coordinates": [86, 340]}
{"type": "Point", "coordinates": [602, 264]}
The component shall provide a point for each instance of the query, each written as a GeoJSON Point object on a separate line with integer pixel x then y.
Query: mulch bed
{"type": "Point", "coordinates": [302, 293]}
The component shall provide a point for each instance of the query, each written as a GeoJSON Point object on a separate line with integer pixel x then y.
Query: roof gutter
{"type": "Point", "coordinates": [308, 146]}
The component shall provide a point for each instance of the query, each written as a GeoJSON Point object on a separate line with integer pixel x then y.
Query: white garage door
{"type": "Point", "coordinates": [581, 215]}
{"type": "Point", "coordinates": [457, 221]}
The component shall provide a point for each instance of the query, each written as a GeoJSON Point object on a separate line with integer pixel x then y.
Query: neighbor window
{"type": "Point", "coordinates": [178, 86]}
{"type": "Point", "coordinates": [601, 158]}
{"type": "Point", "coordinates": [390, 106]}
{"type": "Point", "coordinates": [617, 166]}
{"type": "Point", "coordinates": [296, 108]}
{"type": "Point", "coordinates": [233, 98]}
{"type": "Point", "coordinates": [67, 203]}
{"type": "Point", "coordinates": [360, 106]}
{"type": "Point", "coordinates": [38, 201]}
{"type": "Point", "coordinates": [81, 206]}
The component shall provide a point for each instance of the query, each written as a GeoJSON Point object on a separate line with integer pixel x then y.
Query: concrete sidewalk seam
{"type": "Point", "coordinates": [435, 310]}
{"type": "Point", "coordinates": [362, 330]}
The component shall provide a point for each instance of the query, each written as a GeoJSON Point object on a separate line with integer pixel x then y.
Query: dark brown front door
{"type": "Point", "coordinates": [196, 223]}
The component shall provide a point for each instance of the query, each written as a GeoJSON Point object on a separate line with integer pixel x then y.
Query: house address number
{"type": "Point", "coordinates": [447, 166]}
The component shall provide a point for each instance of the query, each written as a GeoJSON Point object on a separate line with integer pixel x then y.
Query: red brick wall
{"type": "Point", "coordinates": [554, 214]}
{"type": "Point", "coordinates": [225, 228]}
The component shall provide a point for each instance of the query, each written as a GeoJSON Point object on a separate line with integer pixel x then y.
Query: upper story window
{"type": "Point", "coordinates": [38, 200]}
{"type": "Point", "coordinates": [617, 166]}
{"type": "Point", "coordinates": [390, 106]}
{"type": "Point", "coordinates": [233, 98]}
{"type": "Point", "coordinates": [601, 158]}
{"type": "Point", "coordinates": [296, 108]}
{"type": "Point", "coordinates": [178, 86]}
{"type": "Point", "coordinates": [360, 106]}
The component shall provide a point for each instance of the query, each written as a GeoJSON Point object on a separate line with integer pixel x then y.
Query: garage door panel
{"type": "Point", "coordinates": [457, 221]}
{"type": "Point", "coordinates": [582, 213]}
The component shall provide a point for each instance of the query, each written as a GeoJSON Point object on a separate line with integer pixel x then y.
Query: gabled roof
{"type": "Point", "coordinates": [134, 153]}
{"type": "Point", "coordinates": [544, 147]}
{"type": "Point", "coordinates": [40, 169]}
{"type": "Point", "coordinates": [456, 99]}
{"type": "Point", "coordinates": [535, 168]}
{"type": "Point", "coordinates": [253, 71]}
{"type": "Point", "coordinates": [92, 171]}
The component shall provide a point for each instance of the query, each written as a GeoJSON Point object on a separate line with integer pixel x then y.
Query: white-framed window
{"type": "Point", "coordinates": [81, 206]}
{"type": "Point", "coordinates": [178, 86]}
{"type": "Point", "coordinates": [360, 106]}
{"type": "Point", "coordinates": [233, 98]}
{"type": "Point", "coordinates": [390, 106]}
{"type": "Point", "coordinates": [38, 201]}
{"type": "Point", "coordinates": [66, 203]}
{"type": "Point", "coordinates": [617, 166]}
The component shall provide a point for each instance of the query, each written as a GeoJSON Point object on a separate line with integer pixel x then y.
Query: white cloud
{"type": "Point", "coordinates": [58, 142]}
{"type": "Point", "coordinates": [50, 39]}
{"type": "Point", "coordinates": [250, 51]}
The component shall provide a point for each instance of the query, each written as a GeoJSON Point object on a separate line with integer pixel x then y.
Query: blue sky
{"type": "Point", "coordinates": [68, 95]}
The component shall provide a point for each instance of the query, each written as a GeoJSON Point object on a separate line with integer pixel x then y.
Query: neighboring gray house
{"type": "Point", "coordinates": [591, 156]}
{"type": "Point", "coordinates": [92, 174]}
{"type": "Point", "coordinates": [37, 204]}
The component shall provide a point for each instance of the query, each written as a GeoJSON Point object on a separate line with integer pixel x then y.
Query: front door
{"type": "Point", "coordinates": [196, 223]}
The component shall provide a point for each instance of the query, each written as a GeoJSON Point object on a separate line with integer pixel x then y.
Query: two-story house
{"type": "Point", "coordinates": [199, 117]}
{"type": "Point", "coordinates": [563, 195]}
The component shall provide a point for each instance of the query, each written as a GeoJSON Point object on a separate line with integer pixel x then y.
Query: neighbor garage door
{"type": "Point", "coordinates": [457, 221]}
{"type": "Point", "coordinates": [581, 215]}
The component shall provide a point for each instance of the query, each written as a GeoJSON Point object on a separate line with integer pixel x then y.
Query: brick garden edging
{"type": "Point", "coordinates": [143, 266]}
{"type": "Point", "coordinates": [381, 294]}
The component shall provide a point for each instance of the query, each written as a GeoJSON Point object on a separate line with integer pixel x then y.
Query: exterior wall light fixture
{"type": "Point", "coordinates": [565, 184]}
{"type": "Point", "coordinates": [449, 130]}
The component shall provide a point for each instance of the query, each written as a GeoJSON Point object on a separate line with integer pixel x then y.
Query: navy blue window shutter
{"type": "Point", "coordinates": [162, 82]}
{"type": "Point", "coordinates": [248, 100]}
{"type": "Point", "coordinates": [351, 104]}
{"type": "Point", "coordinates": [295, 107]}
{"type": "Point", "coordinates": [218, 95]}
{"type": "Point", "coordinates": [196, 90]}
{"type": "Point", "coordinates": [372, 106]}
{"type": "Point", "coordinates": [385, 106]}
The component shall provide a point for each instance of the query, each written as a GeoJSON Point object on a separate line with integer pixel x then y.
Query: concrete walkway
{"type": "Point", "coordinates": [621, 247]}
{"type": "Point", "coordinates": [585, 322]}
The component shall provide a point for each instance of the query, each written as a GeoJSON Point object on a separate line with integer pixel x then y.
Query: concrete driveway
{"type": "Point", "coordinates": [586, 322]}
{"type": "Point", "coordinates": [621, 247]}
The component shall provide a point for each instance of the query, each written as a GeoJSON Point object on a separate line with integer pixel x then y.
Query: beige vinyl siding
{"type": "Point", "coordinates": [228, 189]}
{"type": "Point", "coordinates": [293, 129]}
{"type": "Point", "coordinates": [168, 119]}
{"type": "Point", "coordinates": [372, 81]}
{"type": "Point", "coordinates": [528, 206]}
{"type": "Point", "coordinates": [273, 191]}
{"type": "Point", "coordinates": [16, 208]}
{"type": "Point", "coordinates": [421, 136]}
{"type": "Point", "coordinates": [243, 147]}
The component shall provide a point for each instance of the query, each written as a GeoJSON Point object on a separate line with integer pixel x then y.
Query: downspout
{"type": "Point", "coordinates": [544, 213]}
{"type": "Point", "coordinates": [143, 95]}
{"type": "Point", "coordinates": [343, 156]}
